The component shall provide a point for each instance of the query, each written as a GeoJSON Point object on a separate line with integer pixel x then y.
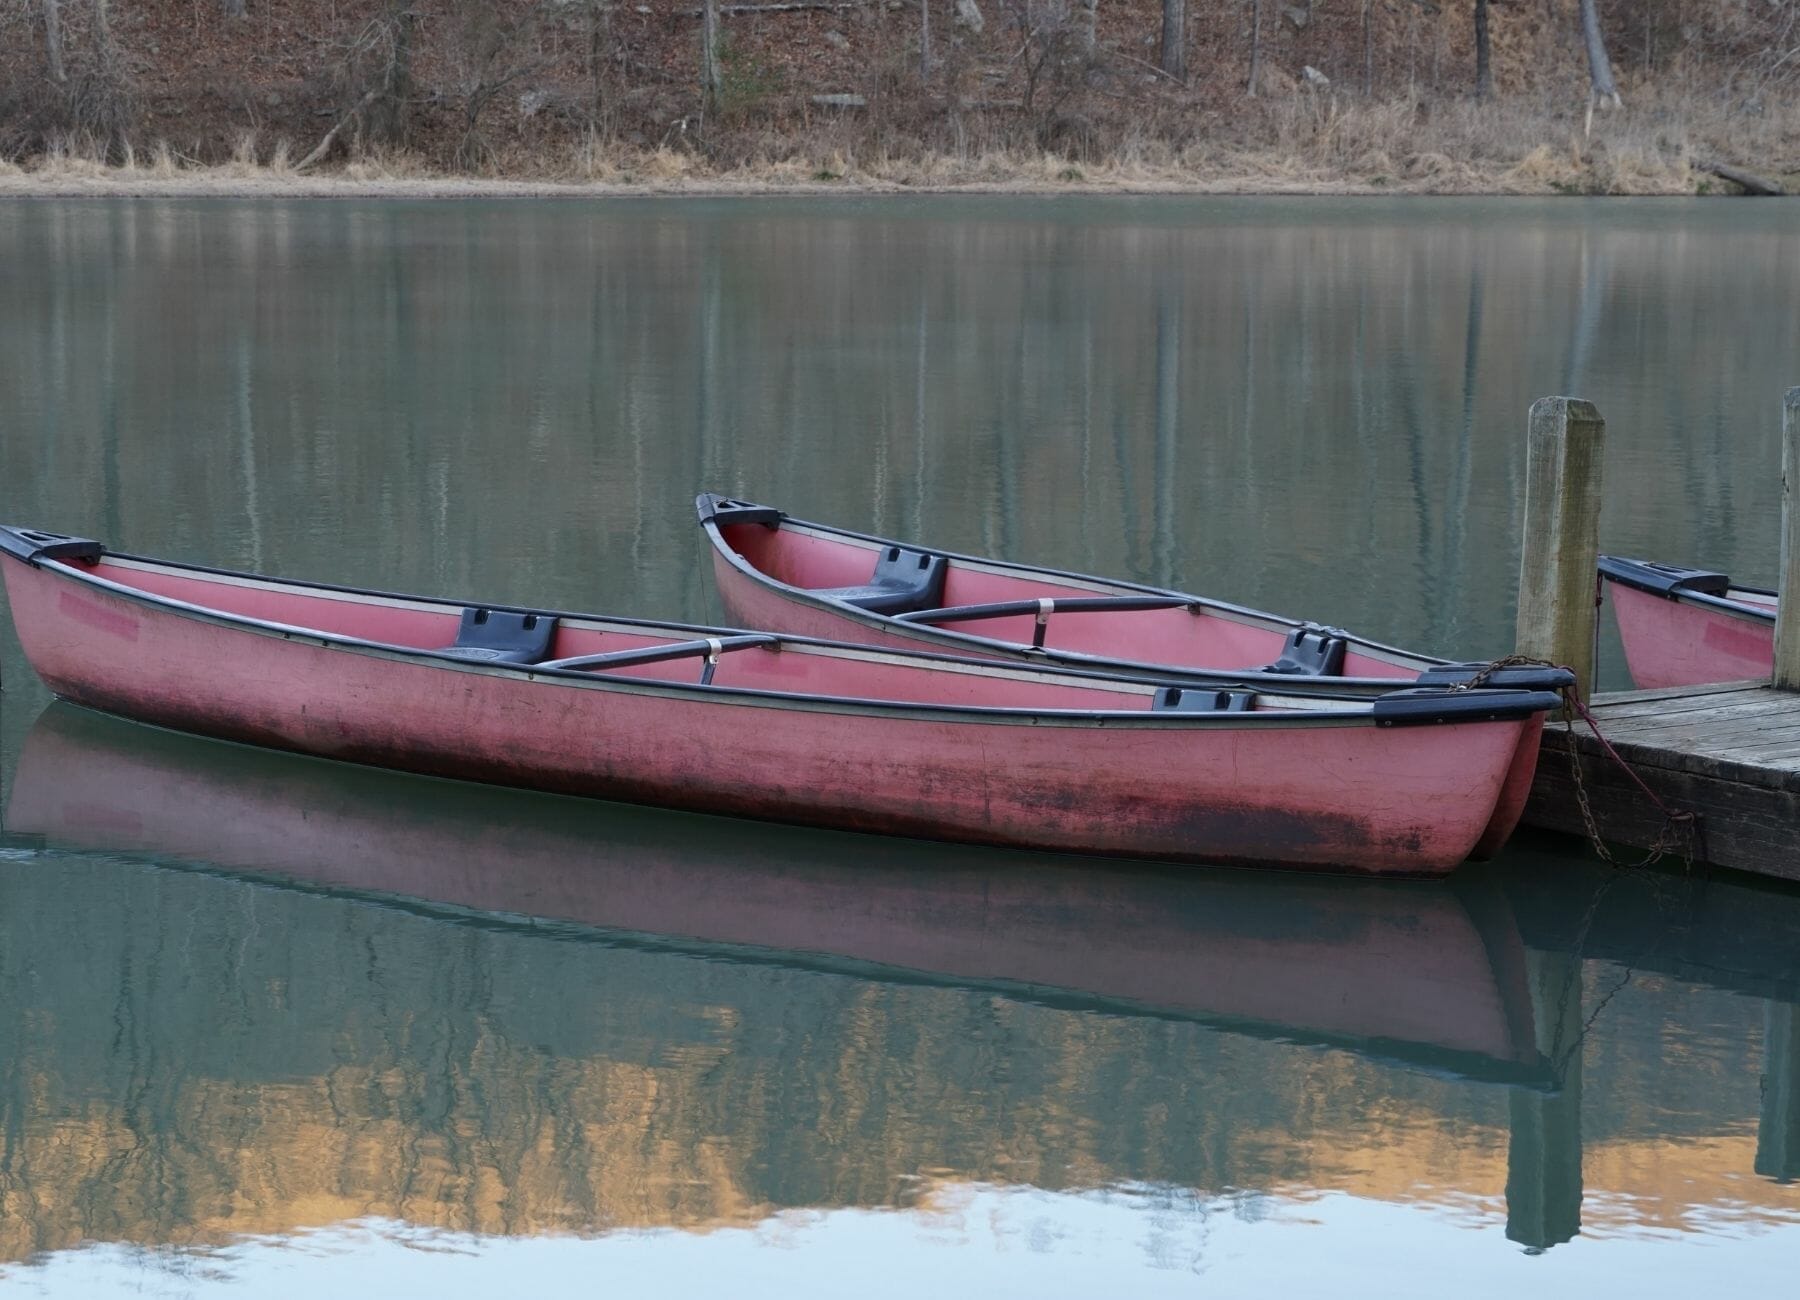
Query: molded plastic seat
{"type": "Point", "coordinates": [498, 636]}
{"type": "Point", "coordinates": [1312, 652]}
{"type": "Point", "coordinates": [904, 580]}
{"type": "Point", "coordinates": [1191, 699]}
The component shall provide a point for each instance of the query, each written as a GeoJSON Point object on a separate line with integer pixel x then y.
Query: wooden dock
{"type": "Point", "coordinates": [1729, 754]}
{"type": "Point", "coordinates": [1726, 756]}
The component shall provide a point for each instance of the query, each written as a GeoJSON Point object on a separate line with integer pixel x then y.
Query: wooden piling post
{"type": "Point", "coordinates": [1787, 617]}
{"type": "Point", "coordinates": [1566, 442]}
{"type": "Point", "coordinates": [1543, 1154]}
{"type": "Point", "coordinates": [1778, 1132]}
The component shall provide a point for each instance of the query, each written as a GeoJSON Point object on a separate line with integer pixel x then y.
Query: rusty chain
{"type": "Point", "coordinates": [1680, 826]}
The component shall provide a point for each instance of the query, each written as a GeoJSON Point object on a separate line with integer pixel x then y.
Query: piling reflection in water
{"type": "Point", "coordinates": [304, 993]}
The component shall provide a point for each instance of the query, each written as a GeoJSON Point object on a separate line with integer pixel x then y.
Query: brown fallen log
{"type": "Point", "coordinates": [1748, 181]}
{"type": "Point", "coordinates": [784, 7]}
{"type": "Point", "coordinates": [324, 146]}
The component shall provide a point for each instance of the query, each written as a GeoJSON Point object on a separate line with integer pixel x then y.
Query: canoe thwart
{"type": "Point", "coordinates": [502, 636]}
{"type": "Point", "coordinates": [32, 545]}
{"type": "Point", "coordinates": [1663, 579]}
{"type": "Point", "coordinates": [1072, 605]}
{"type": "Point", "coordinates": [709, 646]}
{"type": "Point", "coordinates": [904, 579]}
{"type": "Point", "coordinates": [1043, 607]}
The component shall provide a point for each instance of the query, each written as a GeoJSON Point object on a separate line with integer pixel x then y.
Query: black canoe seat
{"type": "Point", "coordinates": [1190, 699]}
{"type": "Point", "coordinates": [498, 636]}
{"type": "Point", "coordinates": [1311, 651]}
{"type": "Point", "coordinates": [904, 580]}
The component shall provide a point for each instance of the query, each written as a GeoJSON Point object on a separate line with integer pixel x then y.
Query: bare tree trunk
{"type": "Point", "coordinates": [1599, 66]}
{"type": "Point", "coordinates": [324, 146]}
{"type": "Point", "coordinates": [924, 40]}
{"type": "Point", "coordinates": [53, 39]}
{"type": "Point", "coordinates": [1255, 45]}
{"type": "Point", "coordinates": [1090, 21]}
{"type": "Point", "coordinates": [1368, 49]}
{"type": "Point", "coordinates": [387, 115]}
{"type": "Point", "coordinates": [1174, 38]}
{"type": "Point", "coordinates": [709, 55]}
{"type": "Point", "coordinates": [600, 17]}
{"type": "Point", "coordinates": [1412, 52]}
{"type": "Point", "coordinates": [1484, 73]}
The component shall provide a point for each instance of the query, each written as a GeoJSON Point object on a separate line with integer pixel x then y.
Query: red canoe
{"type": "Point", "coordinates": [775, 727]}
{"type": "Point", "coordinates": [774, 571]}
{"type": "Point", "coordinates": [1421, 973]}
{"type": "Point", "coordinates": [1689, 627]}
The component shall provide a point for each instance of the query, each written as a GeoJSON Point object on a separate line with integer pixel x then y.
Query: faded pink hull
{"type": "Point", "coordinates": [1358, 797]}
{"type": "Point", "coordinates": [1671, 643]}
{"type": "Point", "coordinates": [1514, 795]}
{"type": "Point", "coordinates": [750, 604]}
{"type": "Point", "coordinates": [1345, 960]}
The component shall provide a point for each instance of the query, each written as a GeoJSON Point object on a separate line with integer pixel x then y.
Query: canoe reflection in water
{"type": "Point", "coordinates": [1419, 971]}
{"type": "Point", "coordinates": [323, 992]}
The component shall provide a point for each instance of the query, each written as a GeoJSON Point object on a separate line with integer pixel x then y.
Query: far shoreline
{"type": "Point", "coordinates": [451, 188]}
{"type": "Point", "coordinates": [70, 178]}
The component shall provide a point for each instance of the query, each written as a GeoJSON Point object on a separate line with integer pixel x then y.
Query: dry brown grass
{"type": "Point", "coordinates": [384, 163]}
{"type": "Point", "coordinates": [1716, 85]}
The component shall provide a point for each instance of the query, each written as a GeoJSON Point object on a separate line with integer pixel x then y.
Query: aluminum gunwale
{"type": "Point", "coordinates": [1350, 714]}
{"type": "Point", "coordinates": [1082, 582]}
{"type": "Point", "coordinates": [1737, 609]}
{"type": "Point", "coordinates": [1730, 608]}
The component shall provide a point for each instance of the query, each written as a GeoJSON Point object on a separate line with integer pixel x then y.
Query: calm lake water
{"type": "Point", "coordinates": [277, 1027]}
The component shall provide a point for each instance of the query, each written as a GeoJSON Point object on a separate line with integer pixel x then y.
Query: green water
{"type": "Point", "coordinates": [273, 1027]}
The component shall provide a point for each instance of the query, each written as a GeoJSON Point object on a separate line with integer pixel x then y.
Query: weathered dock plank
{"type": "Point", "coordinates": [1680, 692]}
{"type": "Point", "coordinates": [1729, 756]}
{"type": "Point", "coordinates": [1736, 702]}
{"type": "Point", "coordinates": [1711, 734]}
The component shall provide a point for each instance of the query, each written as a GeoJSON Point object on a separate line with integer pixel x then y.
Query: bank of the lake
{"type": "Point", "coordinates": [1561, 166]}
{"type": "Point", "coordinates": [1335, 96]}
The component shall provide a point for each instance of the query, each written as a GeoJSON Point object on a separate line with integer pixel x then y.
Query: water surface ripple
{"type": "Point", "coordinates": [272, 1026]}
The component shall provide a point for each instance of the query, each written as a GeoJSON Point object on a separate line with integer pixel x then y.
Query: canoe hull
{"type": "Point", "coordinates": [1671, 642]}
{"type": "Point", "coordinates": [749, 603]}
{"type": "Point", "coordinates": [1169, 640]}
{"type": "Point", "coordinates": [1405, 801]}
